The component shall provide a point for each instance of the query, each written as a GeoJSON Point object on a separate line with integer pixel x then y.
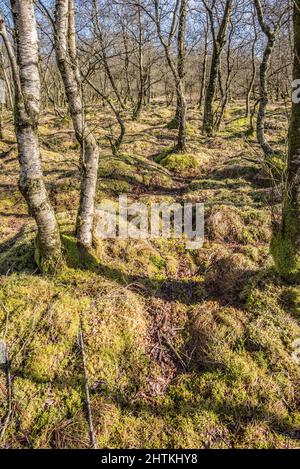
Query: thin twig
{"type": "Point", "coordinates": [8, 379]}
{"type": "Point", "coordinates": [86, 388]}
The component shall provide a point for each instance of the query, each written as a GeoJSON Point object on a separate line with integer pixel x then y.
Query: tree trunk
{"type": "Point", "coordinates": [204, 71]}
{"type": "Point", "coordinates": [225, 93]}
{"type": "Point", "coordinates": [253, 74]}
{"type": "Point", "coordinates": [65, 46]}
{"type": "Point", "coordinates": [218, 44]}
{"type": "Point", "coordinates": [142, 74]}
{"type": "Point", "coordinates": [7, 82]}
{"type": "Point", "coordinates": [176, 122]}
{"type": "Point", "coordinates": [208, 117]}
{"type": "Point", "coordinates": [177, 71]}
{"type": "Point", "coordinates": [285, 245]}
{"type": "Point", "coordinates": [181, 101]}
{"type": "Point", "coordinates": [128, 94]}
{"type": "Point", "coordinates": [263, 91]}
{"type": "Point", "coordinates": [1, 122]}
{"type": "Point", "coordinates": [261, 115]}
{"type": "Point", "coordinates": [27, 107]}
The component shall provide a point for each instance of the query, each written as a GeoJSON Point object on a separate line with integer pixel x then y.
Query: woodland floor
{"type": "Point", "coordinates": [184, 349]}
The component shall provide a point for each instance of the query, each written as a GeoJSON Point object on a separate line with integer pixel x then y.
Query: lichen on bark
{"type": "Point", "coordinates": [285, 243]}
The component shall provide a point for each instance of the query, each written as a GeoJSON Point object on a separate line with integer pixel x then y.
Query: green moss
{"type": "Point", "coordinates": [77, 256]}
{"type": "Point", "coordinates": [236, 127]}
{"type": "Point", "coordinates": [116, 341]}
{"type": "Point", "coordinates": [127, 171]}
{"type": "Point", "coordinates": [158, 262]}
{"type": "Point", "coordinates": [291, 301]}
{"type": "Point", "coordinates": [278, 165]}
{"type": "Point", "coordinates": [168, 365]}
{"type": "Point", "coordinates": [178, 162]}
{"type": "Point", "coordinates": [45, 360]}
{"type": "Point", "coordinates": [284, 247]}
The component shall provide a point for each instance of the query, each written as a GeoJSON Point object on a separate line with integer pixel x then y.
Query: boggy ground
{"type": "Point", "coordinates": [184, 348]}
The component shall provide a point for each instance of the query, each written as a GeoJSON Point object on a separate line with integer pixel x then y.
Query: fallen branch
{"type": "Point", "coordinates": [86, 389]}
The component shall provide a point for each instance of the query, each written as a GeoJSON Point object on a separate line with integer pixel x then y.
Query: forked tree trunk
{"type": "Point", "coordinates": [218, 44]}
{"type": "Point", "coordinates": [27, 107]}
{"type": "Point", "coordinates": [285, 245]}
{"type": "Point", "coordinates": [65, 46]}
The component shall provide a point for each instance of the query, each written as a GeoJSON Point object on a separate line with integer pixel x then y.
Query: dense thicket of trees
{"type": "Point", "coordinates": [125, 54]}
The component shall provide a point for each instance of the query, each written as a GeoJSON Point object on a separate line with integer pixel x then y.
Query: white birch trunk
{"type": "Point", "coordinates": [27, 106]}
{"type": "Point", "coordinates": [65, 46]}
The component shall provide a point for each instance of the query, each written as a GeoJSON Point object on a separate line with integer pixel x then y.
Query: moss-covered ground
{"type": "Point", "coordinates": [184, 348]}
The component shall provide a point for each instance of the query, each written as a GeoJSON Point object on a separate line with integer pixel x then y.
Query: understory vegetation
{"type": "Point", "coordinates": [184, 349]}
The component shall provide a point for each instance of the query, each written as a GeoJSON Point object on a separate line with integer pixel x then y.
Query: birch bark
{"type": "Point", "coordinates": [66, 54]}
{"type": "Point", "coordinates": [27, 107]}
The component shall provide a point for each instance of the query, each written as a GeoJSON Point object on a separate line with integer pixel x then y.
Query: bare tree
{"type": "Point", "coordinates": [177, 69]}
{"type": "Point", "coordinates": [103, 54]}
{"type": "Point", "coordinates": [263, 91]}
{"type": "Point", "coordinates": [66, 53]}
{"type": "Point", "coordinates": [204, 67]}
{"type": "Point", "coordinates": [251, 81]}
{"type": "Point", "coordinates": [219, 40]}
{"type": "Point", "coordinates": [27, 107]}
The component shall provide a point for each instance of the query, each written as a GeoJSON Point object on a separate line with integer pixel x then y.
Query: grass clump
{"type": "Point", "coordinates": [291, 301]}
{"type": "Point", "coordinates": [116, 329]}
{"type": "Point", "coordinates": [227, 276]}
{"type": "Point", "coordinates": [231, 225]}
{"type": "Point", "coordinates": [182, 163]}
